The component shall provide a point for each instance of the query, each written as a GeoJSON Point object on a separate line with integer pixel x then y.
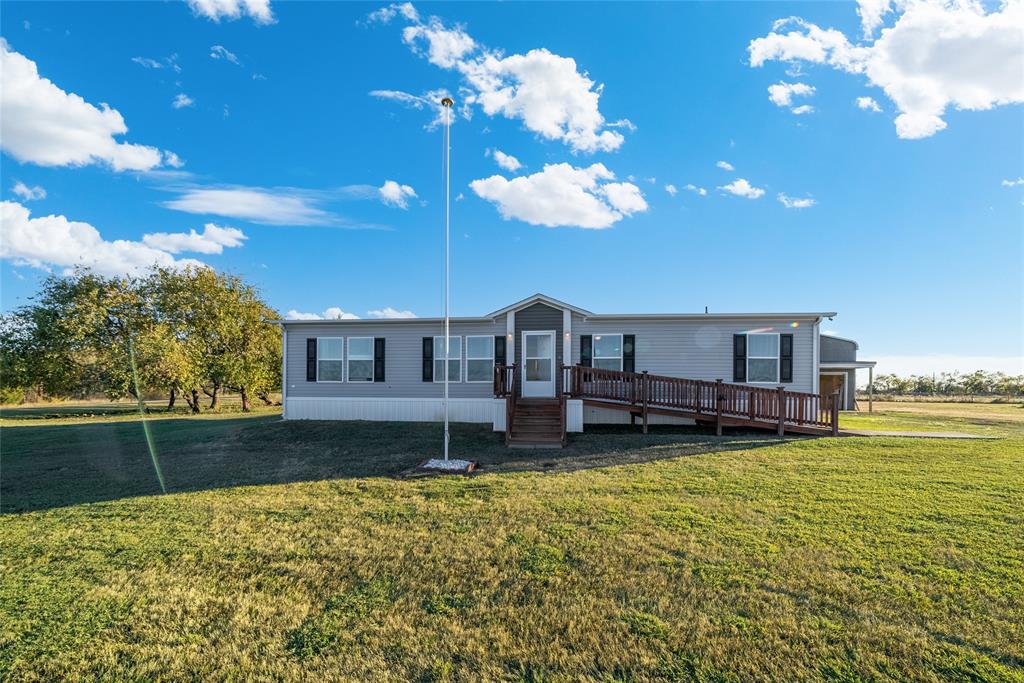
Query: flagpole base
{"type": "Point", "coordinates": [452, 466]}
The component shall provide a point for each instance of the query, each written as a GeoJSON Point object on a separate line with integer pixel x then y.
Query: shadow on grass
{"type": "Point", "coordinates": [68, 464]}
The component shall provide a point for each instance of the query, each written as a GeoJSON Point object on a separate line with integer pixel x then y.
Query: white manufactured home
{"type": "Point", "coordinates": [528, 360]}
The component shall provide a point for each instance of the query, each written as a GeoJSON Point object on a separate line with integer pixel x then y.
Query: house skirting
{"type": "Point", "coordinates": [478, 410]}
{"type": "Point", "coordinates": [475, 410]}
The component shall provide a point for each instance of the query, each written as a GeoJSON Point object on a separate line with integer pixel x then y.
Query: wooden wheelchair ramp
{"type": "Point", "coordinates": [718, 403]}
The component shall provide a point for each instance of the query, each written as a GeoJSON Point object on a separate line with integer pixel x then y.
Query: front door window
{"type": "Point", "coordinates": [538, 364]}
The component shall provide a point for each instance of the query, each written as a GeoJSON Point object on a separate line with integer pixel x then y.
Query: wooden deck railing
{"type": "Point", "coordinates": [504, 380]}
{"type": "Point", "coordinates": [758, 406]}
{"type": "Point", "coordinates": [505, 377]}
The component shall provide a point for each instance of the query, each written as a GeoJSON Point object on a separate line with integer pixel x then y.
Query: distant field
{"type": "Point", "coordinates": [301, 551]}
{"type": "Point", "coordinates": [991, 419]}
{"type": "Point", "coordinates": [98, 409]}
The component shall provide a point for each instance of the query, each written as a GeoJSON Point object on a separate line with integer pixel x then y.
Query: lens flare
{"type": "Point", "coordinates": [145, 422]}
{"type": "Point", "coordinates": [794, 324]}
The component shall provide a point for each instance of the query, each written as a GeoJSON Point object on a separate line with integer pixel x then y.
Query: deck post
{"type": "Point", "coordinates": [718, 407]}
{"type": "Point", "coordinates": [871, 389]}
{"type": "Point", "coordinates": [835, 414]}
{"type": "Point", "coordinates": [644, 388]}
{"type": "Point", "coordinates": [781, 401]}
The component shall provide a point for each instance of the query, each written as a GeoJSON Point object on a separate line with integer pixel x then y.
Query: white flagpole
{"type": "Point", "coordinates": [447, 103]}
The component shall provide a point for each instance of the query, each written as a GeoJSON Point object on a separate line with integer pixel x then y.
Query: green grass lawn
{"type": "Point", "coordinates": [295, 551]}
{"type": "Point", "coordinates": [985, 419]}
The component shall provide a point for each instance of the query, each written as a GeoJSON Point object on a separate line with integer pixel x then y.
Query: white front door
{"type": "Point", "coordinates": [539, 364]}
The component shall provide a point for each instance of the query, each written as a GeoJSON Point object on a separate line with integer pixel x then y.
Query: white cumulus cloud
{"type": "Point", "coordinates": [781, 94]}
{"type": "Point", "coordinates": [506, 161]}
{"type": "Point", "coordinates": [386, 14]}
{"type": "Point", "coordinates": [332, 313]}
{"type": "Point", "coordinates": [871, 14]}
{"type": "Point", "coordinates": [868, 104]}
{"type": "Point", "coordinates": [53, 240]}
{"type": "Point", "coordinates": [390, 313]}
{"type": "Point", "coordinates": [38, 192]}
{"type": "Point", "coordinates": [802, 109]}
{"type": "Point", "coordinates": [216, 10]}
{"type": "Point", "coordinates": [173, 160]}
{"type": "Point", "coordinates": [563, 195]}
{"type": "Point", "coordinates": [920, 61]}
{"type": "Point", "coordinates": [394, 194]}
{"type": "Point", "coordinates": [44, 125]}
{"type": "Point", "coordinates": [671, 189]}
{"type": "Point", "coordinates": [741, 188]}
{"type": "Point", "coordinates": [725, 166]}
{"type": "Point", "coordinates": [794, 202]}
{"type": "Point", "coordinates": [211, 240]}
{"type": "Point", "coordinates": [181, 101]}
{"type": "Point", "coordinates": [442, 46]}
{"type": "Point", "coordinates": [546, 91]}
{"type": "Point", "coordinates": [221, 52]}
{"type": "Point", "coordinates": [1012, 183]}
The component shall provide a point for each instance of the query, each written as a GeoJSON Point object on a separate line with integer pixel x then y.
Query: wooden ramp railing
{"type": "Point", "coordinates": [505, 387]}
{"type": "Point", "coordinates": [724, 404]}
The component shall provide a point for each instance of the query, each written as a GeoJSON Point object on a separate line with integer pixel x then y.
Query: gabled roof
{"type": "Point", "coordinates": [555, 303]}
{"type": "Point", "coordinates": [539, 299]}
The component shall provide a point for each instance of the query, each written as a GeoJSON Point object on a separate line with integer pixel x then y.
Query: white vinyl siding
{"type": "Point", "coordinates": [763, 358]}
{"type": "Point", "coordinates": [360, 359]}
{"type": "Point", "coordinates": [479, 359]}
{"type": "Point", "coordinates": [454, 359]}
{"type": "Point", "coordinates": [330, 364]}
{"type": "Point", "coordinates": [701, 349]}
{"type": "Point", "coordinates": [404, 360]}
{"type": "Point", "coordinates": [607, 351]}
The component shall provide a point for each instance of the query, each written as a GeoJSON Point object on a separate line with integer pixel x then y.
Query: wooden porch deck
{"type": "Point", "coordinates": [718, 403]}
{"type": "Point", "coordinates": [642, 395]}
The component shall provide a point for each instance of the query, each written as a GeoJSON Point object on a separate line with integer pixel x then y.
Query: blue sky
{"type": "Point", "coordinates": [910, 227]}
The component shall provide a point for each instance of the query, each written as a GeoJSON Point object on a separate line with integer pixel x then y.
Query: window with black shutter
{"type": "Point", "coordinates": [629, 353]}
{"type": "Point", "coordinates": [499, 349]}
{"type": "Point", "coordinates": [378, 359]}
{"type": "Point", "coordinates": [785, 358]}
{"type": "Point", "coordinates": [428, 359]}
{"type": "Point", "coordinates": [311, 359]}
{"type": "Point", "coordinates": [739, 358]}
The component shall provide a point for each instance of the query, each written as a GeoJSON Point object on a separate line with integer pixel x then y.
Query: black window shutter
{"type": "Point", "coordinates": [428, 359]}
{"type": "Point", "coordinates": [499, 349]}
{"type": "Point", "coordinates": [739, 358]}
{"type": "Point", "coordinates": [378, 359]}
{"type": "Point", "coordinates": [586, 350]}
{"type": "Point", "coordinates": [785, 358]}
{"type": "Point", "coordinates": [629, 353]}
{"type": "Point", "coordinates": [310, 359]}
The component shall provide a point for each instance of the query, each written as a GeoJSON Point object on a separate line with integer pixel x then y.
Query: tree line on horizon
{"type": "Point", "coordinates": [185, 333]}
{"type": "Point", "coordinates": [194, 332]}
{"type": "Point", "coordinates": [977, 383]}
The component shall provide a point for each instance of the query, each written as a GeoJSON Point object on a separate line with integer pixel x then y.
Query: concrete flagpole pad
{"type": "Point", "coordinates": [452, 466]}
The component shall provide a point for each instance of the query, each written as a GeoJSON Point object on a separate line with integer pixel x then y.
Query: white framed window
{"type": "Point", "coordinates": [330, 352]}
{"type": "Point", "coordinates": [763, 358]}
{"type": "Point", "coordinates": [479, 358]}
{"type": "Point", "coordinates": [607, 351]}
{"type": "Point", "coordinates": [454, 359]}
{"type": "Point", "coordinates": [360, 359]}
